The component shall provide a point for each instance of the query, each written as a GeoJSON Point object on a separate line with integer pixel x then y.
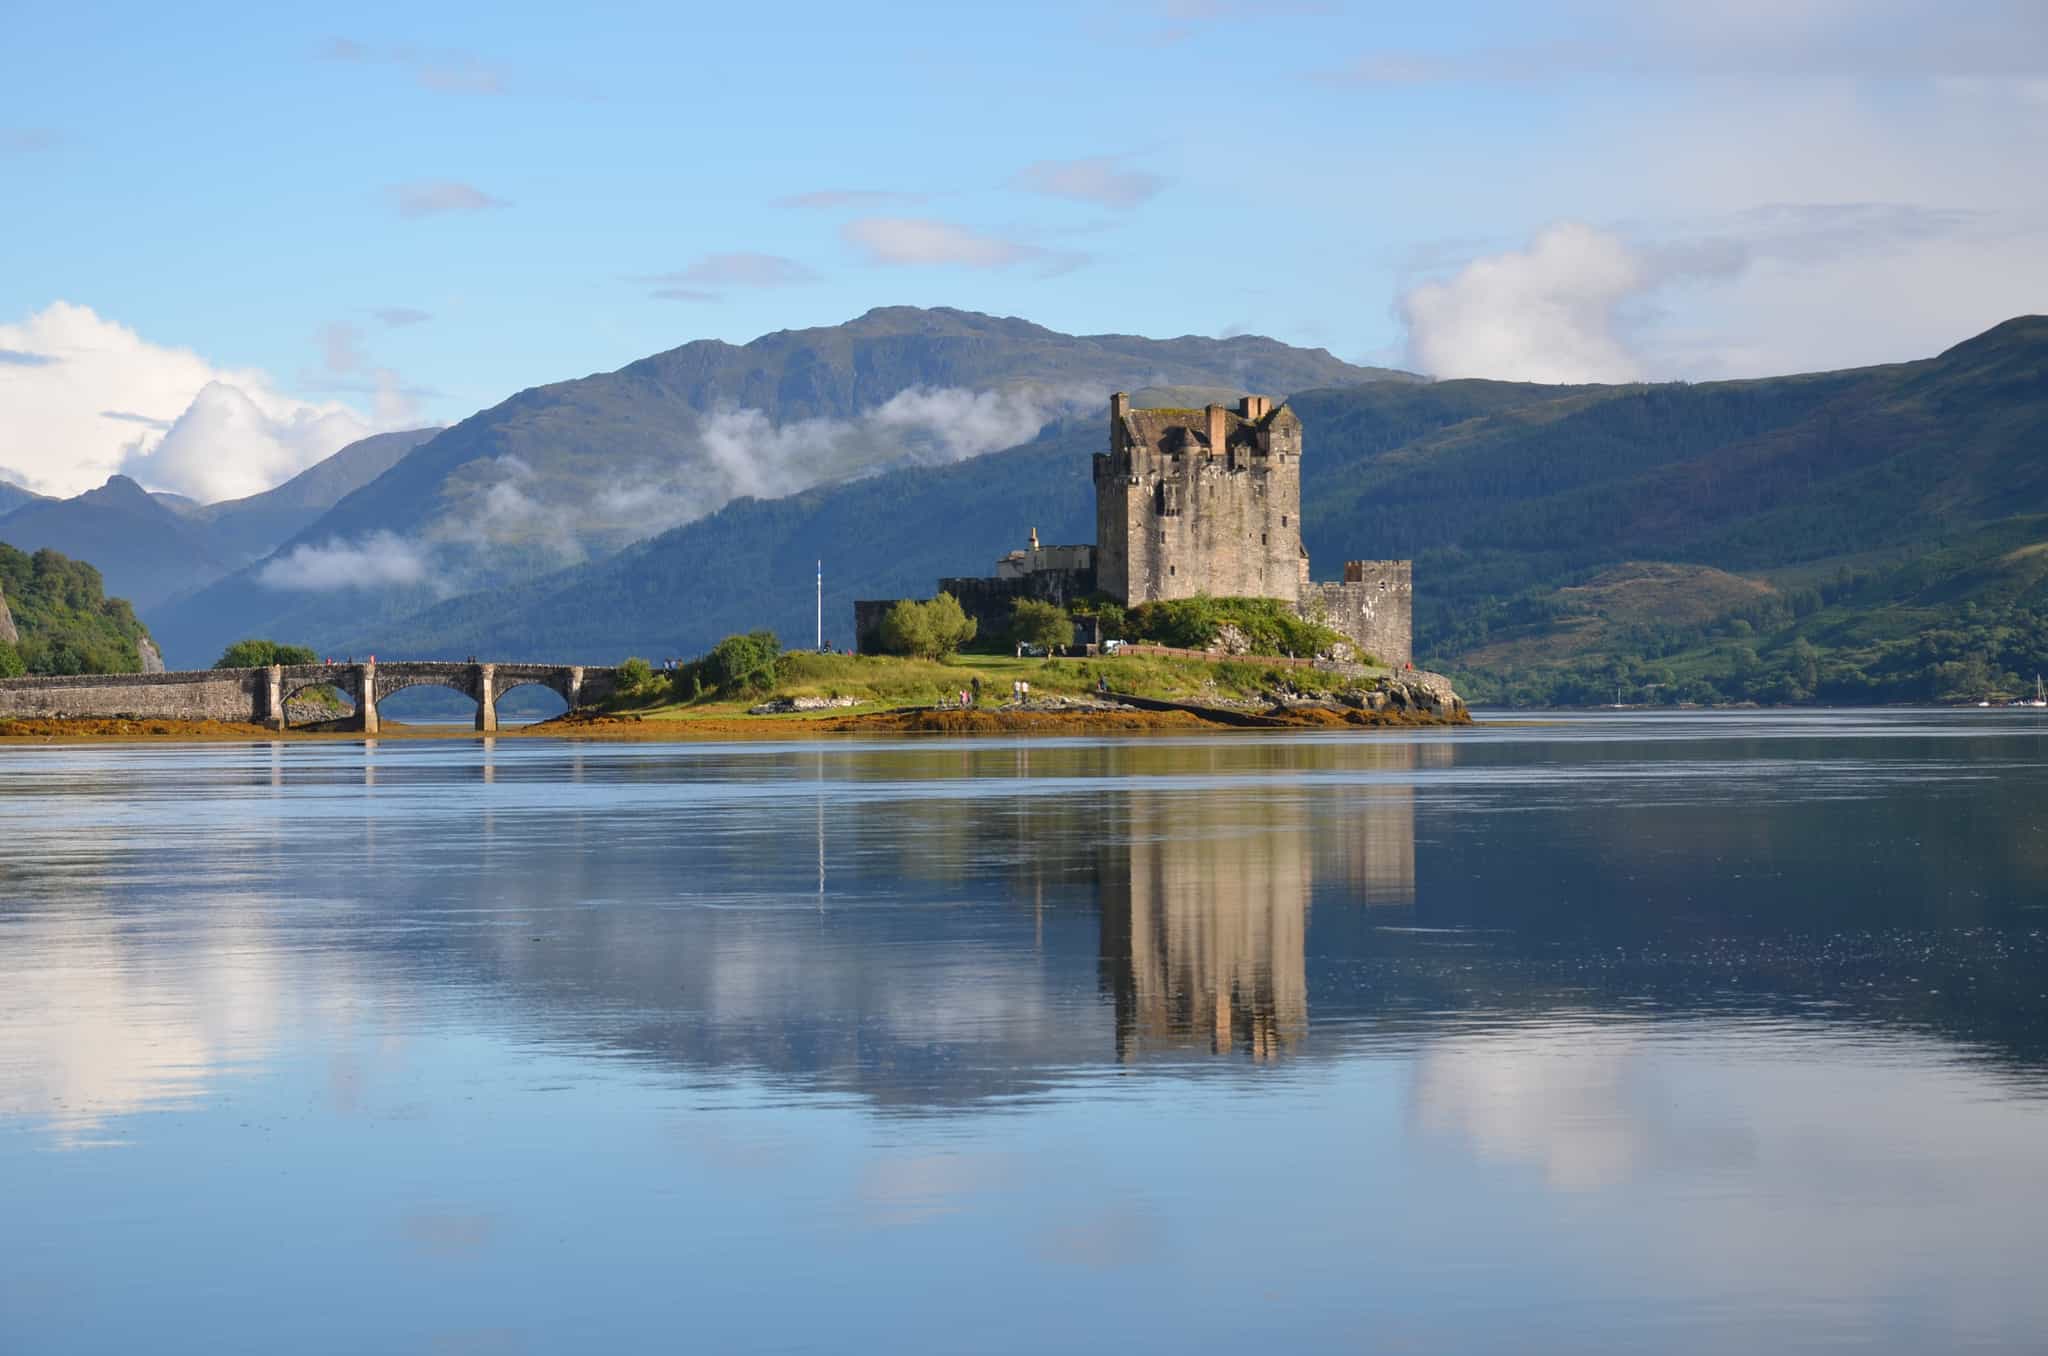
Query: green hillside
{"type": "Point", "coordinates": [55, 618]}
{"type": "Point", "coordinates": [1871, 535]}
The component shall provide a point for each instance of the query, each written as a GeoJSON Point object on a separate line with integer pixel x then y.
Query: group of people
{"type": "Point", "coordinates": [1020, 692]}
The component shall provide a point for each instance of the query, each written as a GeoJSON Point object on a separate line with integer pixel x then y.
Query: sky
{"type": "Point", "coordinates": [236, 238]}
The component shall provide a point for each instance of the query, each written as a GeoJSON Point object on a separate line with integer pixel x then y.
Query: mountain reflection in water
{"type": "Point", "coordinates": [1622, 1033]}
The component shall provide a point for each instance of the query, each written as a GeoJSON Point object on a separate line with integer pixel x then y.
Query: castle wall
{"type": "Point", "coordinates": [867, 623]}
{"type": "Point", "coordinates": [989, 601]}
{"type": "Point", "coordinates": [1374, 606]}
{"type": "Point", "coordinates": [1178, 515]}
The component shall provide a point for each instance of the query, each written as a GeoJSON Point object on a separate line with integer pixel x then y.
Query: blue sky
{"type": "Point", "coordinates": [388, 215]}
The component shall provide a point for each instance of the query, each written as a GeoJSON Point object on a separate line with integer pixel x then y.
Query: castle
{"type": "Point", "coordinates": [1193, 502]}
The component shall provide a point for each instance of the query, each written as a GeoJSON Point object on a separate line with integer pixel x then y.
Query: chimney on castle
{"type": "Point", "coordinates": [1217, 424]}
{"type": "Point", "coordinates": [1254, 406]}
{"type": "Point", "coordinates": [1034, 539]}
{"type": "Point", "coordinates": [1119, 406]}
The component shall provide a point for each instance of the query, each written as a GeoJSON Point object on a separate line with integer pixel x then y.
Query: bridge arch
{"type": "Point", "coordinates": [552, 684]}
{"type": "Point", "coordinates": [292, 690]}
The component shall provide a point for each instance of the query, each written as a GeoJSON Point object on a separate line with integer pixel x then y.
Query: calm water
{"type": "Point", "coordinates": [1699, 1033]}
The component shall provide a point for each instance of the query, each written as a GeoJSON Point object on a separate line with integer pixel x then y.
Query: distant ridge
{"type": "Point", "coordinates": [566, 447]}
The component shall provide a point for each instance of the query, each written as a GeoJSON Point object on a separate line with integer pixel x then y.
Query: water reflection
{"type": "Point", "coordinates": [1748, 993]}
{"type": "Point", "coordinates": [1204, 925]}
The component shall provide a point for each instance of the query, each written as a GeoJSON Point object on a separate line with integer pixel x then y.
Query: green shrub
{"type": "Point", "coordinates": [260, 654]}
{"type": "Point", "coordinates": [1270, 626]}
{"type": "Point", "coordinates": [930, 630]}
{"type": "Point", "coordinates": [740, 664]}
{"type": "Point", "coordinates": [11, 665]}
{"type": "Point", "coordinates": [1046, 625]}
{"type": "Point", "coordinates": [636, 675]}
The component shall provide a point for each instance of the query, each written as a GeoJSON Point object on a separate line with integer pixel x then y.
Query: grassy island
{"type": "Point", "coordinates": [803, 692]}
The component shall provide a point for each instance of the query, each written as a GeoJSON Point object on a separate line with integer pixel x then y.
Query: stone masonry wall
{"type": "Point", "coordinates": [1179, 514]}
{"type": "Point", "coordinates": [226, 695]}
{"type": "Point", "coordinates": [1374, 605]}
{"type": "Point", "coordinates": [991, 602]}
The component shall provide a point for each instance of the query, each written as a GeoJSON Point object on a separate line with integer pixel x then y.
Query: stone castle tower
{"type": "Point", "coordinates": [1190, 502]}
{"type": "Point", "coordinates": [1200, 501]}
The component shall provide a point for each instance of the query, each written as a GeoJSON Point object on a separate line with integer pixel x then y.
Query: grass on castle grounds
{"type": "Point", "coordinates": [883, 682]}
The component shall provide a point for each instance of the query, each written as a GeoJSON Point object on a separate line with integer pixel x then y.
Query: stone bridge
{"type": "Point", "coordinates": [262, 696]}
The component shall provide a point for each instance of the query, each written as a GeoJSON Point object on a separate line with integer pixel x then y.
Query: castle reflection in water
{"type": "Point", "coordinates": [1205, 904]}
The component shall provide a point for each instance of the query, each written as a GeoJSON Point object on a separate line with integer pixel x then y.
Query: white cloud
{"type": "Point", "coordinates": [922, 240]}
{"type": "Point", "coordinates": [101, 399]}
{"type": "Point", "coordinates": [1785, 287]}
{"type": "Point", "coordinates": [378, 560]}
{"type": "Point", "coordinates": [1550, 312]}
{"type": "Point", "coordinates": [1100, 179]}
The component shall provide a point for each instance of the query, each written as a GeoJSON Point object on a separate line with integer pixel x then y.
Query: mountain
{"type": "Point", "coordinates": [13, 497]}
{"type": "Point", "coordinates": [582, 468]}
{"type": "Point", "coordinates": [146, 551]}
{"type": "Point", "coordinates": [654, 425]}
{"type": "Point", "coordinates": [754, 562]}
{"type": "Point", "coordinates": [1874, 534]}
{"type": "Point", "coordinates": [153, 547]}
{"type": "Point", "coordinates": [248, 529]}
{"type": "Point", "coordinates": [56, 618]}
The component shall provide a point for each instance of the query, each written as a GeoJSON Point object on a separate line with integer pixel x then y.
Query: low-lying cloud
{"type": "Point", "coordinates": [377, 560]}
{"type": "Point", "coordinates": [508, 514]}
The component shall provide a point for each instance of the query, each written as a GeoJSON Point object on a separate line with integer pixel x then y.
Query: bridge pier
{"type": "Point", "coordinates": [273, 707]}
{"type": "Point", "coordinates": [487, 698]}
{"type": "Point", "coordinates": [366, 697]}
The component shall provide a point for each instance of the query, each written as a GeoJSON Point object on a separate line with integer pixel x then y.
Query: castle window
{"type": "Point", "coordinates": [1173, 569]}
{"type": "Point", "coordinates": [1262, 539]}
{"type": "Point", "coordinates": [1283, 520]}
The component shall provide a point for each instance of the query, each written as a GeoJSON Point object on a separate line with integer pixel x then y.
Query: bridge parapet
{"type": "Point", "coordinates": [262, 695]}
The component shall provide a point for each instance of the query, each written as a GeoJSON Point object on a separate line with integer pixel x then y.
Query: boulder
{"type": "Point", "coordinates": [783, 706]}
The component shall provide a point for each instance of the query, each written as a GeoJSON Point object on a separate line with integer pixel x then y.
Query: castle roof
{"type": "Point", "coordinates": [1177, 429]}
